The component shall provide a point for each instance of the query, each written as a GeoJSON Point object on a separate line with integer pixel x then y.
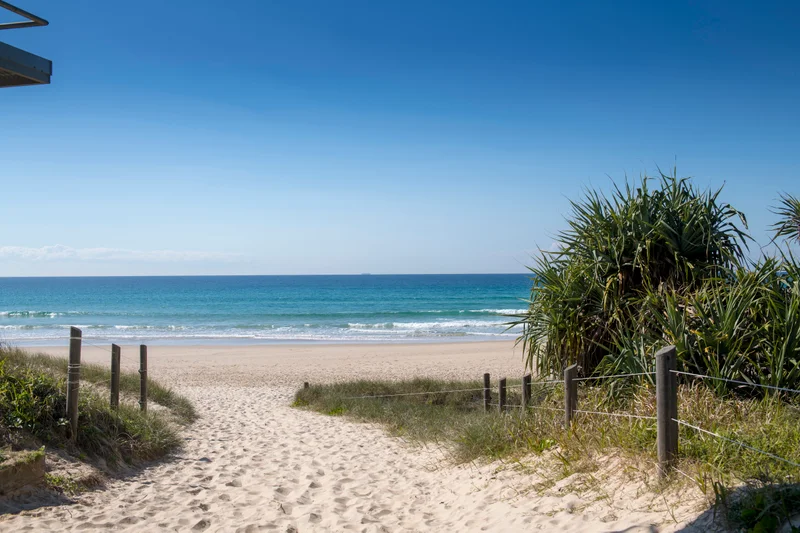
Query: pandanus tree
{"type": "Point", "coordinates": [617, 250]}
{"type": "Point", "coordinates": [647, 266]}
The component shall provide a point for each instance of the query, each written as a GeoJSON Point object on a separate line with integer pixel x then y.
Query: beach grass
{"type": "Point", "coordinates": [458, 420]}
{"type": "Point", "coordinates": [33, 402]}
{"type": "Point", "coordinates": [129, 382]}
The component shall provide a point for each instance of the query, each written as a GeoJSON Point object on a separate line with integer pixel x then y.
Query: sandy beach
{"type": "Point", "coordinates": [253, 463]}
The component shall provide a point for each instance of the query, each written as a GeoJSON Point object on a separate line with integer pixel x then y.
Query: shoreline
{"type": "Point", "coordinates": [292, 364]}
{"type": "Point", "coordinates": [230, 343]}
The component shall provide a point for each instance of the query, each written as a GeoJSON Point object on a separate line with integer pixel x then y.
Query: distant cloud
{"type": "Point", "coordinates": [61, 252]}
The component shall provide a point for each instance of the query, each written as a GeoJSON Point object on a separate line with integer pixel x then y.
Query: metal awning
{"type": "Point", "coordinates": [18, 67]}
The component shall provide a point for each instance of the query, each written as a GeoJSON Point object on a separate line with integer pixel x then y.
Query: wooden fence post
{"type": "Point", "coordinates": [502, 395]}
{"type": "Point", "coordinates": [526, 391]}
{"type": "Point", "coordinates": [143, 377]}
{"type": "Point", "coordinates": [667, 408]}
{"type": "Point", "coordinates": [570, 393]}
{"type": "Point", "coordinates": [487, 391]}
{"type": "Point", "coordinates": [115, 360]}
{"type": "Point", "coordinates": [305, 384]}
{"type": "Point", "coordinates": [73, 380]}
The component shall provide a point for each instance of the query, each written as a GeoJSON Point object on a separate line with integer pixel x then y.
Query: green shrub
{"type": "Point", "coordinates": [33, 404]}
{"type": "Point", "coordinates": [645, 267]}
{"type": "Point", "coordinates": [31, 401]}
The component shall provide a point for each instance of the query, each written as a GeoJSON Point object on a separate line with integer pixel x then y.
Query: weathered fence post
{"type": "Point", "coordinates": [143, 377]}
{"type": "Point", "coordinates": [570, 393]}
{"type": "Point", "coordinates": [305, 384]}
{"type": "Point", "coordinates": [487, 392]}
{"type": "Point", "coordinates": [115, 360]}
{"type": "Point", "coordinates": [502, 395]}
{"type": "Point", "coordinates": [667, 408]}
{"type": "Point", "coordinates": [73, 380]}
{"type": "Point", "coordinates": [526, 391]}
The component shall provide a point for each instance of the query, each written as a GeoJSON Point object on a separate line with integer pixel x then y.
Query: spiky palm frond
{"type": "Point", "coordinates": [788, 225]}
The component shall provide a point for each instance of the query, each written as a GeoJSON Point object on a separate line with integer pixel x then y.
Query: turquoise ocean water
{"type": "Point", "coordinates": [261, 309]}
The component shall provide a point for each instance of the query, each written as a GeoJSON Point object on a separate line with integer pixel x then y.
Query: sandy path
{"type": "Point", "coordinates": [253, 463]}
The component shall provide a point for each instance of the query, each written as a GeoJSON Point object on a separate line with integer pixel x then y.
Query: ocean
{"type": "Point", "coordinates": [261, 309]}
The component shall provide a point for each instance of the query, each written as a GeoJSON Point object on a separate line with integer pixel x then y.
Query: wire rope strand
{"type": "Point", "coordinates": [735, 381]}
{"type": "Point", "coordinates": [410, 394]}
{"type": "Point", "coordinates": [614, 376]}
{"type": "Point", "coordinates": [739, 443]}
{"type": "Point", "coordinates": [628, 415]}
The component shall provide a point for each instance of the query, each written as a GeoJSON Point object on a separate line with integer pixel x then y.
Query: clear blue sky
{"type": "Point", "coordinates": [279, 137]}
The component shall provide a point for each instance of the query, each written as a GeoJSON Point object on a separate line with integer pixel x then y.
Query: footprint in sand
{"type": "Point", "coordinates": [202, 525]}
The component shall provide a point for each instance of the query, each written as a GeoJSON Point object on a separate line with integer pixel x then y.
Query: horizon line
{"type": "Point", "coordinates": [268, 275]}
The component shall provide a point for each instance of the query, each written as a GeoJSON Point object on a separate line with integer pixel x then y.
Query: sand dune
{"type": "Point", "coordinates": [253, 463]}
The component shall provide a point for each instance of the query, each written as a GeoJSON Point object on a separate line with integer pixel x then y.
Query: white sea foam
{"type": "Point", "coordinates": [352, 331]}
{"type": "Point", "coordinates": [30, 314]}
{"type": "Point", "coordinates": [500, 311]}
{"type": "Point", "coordinates": [380, 325]}
{"type": "Point", "coordinates": [448, 324]}
{"type": "Point", "coordinates": [443, 324]}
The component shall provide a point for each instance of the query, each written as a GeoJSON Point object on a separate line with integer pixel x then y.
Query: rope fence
{"type": "Point", "coordinates": [424, 393]}
{"type": "Point", "coordinates": [666, 419]}
{"type": "Point", "coordinates": [703, 376]}
{"type": "Point", "coordinates": [741, 444]}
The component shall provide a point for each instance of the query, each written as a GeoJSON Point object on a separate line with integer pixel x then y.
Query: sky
{"type": "Point", "coordinates": [297, 137]}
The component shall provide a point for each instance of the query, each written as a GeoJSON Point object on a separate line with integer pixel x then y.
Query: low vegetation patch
{"type": "Point", "coordinates": [458, 420]}
{"type": "Point", "coordinates": [33, 406]}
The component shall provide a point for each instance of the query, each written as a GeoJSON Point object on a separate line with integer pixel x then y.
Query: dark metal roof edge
{"type": "Point", "coordinates": [33, 20]}
{"type": "Point", "coordinates": [25, 59]}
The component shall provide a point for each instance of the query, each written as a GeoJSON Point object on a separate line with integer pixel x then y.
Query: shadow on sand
{"type": "Point", "coordinates": [33, 498]}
